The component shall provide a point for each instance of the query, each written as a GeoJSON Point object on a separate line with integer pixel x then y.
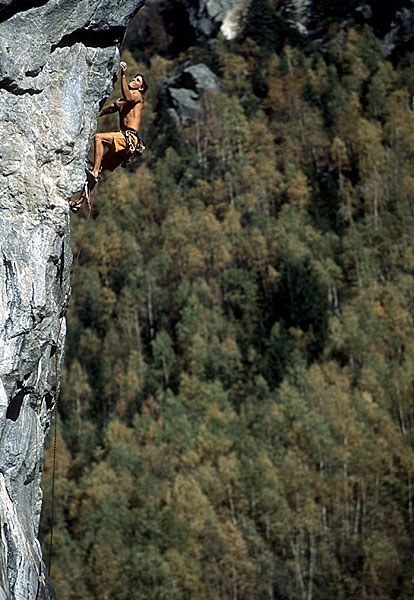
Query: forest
{"type": "Point", "coordinates": [236, 418]}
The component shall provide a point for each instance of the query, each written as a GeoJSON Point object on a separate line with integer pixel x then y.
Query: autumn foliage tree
{"type": "Point", "coordinates": [237, 415]}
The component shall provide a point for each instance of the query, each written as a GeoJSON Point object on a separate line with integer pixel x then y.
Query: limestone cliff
{"type": "Point", "coordinates": [58, 59]}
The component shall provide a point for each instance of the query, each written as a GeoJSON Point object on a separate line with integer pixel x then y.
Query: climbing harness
{"type": "Point", "coordinates": [130, 142]}
{"type": "Point", "coordinates": [135, 147]}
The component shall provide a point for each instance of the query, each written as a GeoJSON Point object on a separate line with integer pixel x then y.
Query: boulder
{"type": "Point", "coordinates": [186, 89]}
{"type": "Point", "coordinates": [208, 17]}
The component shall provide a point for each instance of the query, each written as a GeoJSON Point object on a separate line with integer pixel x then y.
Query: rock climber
{"type": "Point", "coordinates": [121, 144]}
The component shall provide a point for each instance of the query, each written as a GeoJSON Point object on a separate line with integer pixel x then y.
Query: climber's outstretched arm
{"type": "Point", "coordinates": [109, 109]}
{"type": "Point", "coordinates": [126, 92]}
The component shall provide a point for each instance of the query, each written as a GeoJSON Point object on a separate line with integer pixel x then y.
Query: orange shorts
{"type": "Point", "coordinates": [120, 143]}
{"type": "Point", "coordinates": [118, 152]}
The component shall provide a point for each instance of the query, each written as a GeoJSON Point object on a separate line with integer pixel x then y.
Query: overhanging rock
{"type": "Point", "coordinates": [58, 61]}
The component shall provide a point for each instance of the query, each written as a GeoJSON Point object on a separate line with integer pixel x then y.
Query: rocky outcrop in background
{"type": "Point", "coordinates": [185, 91]}
{"type": "Point", "coordinates": [393, 22]}
{"type": "Point", "coordinates": [58, 61]}
{"type": "Point", "coordinates": [191, 22]}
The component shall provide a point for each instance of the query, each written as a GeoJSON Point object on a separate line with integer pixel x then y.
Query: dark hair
{"type": "Point", "coordinates": [144, 82]}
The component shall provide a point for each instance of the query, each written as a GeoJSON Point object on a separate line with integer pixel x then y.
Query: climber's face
{"type": "Point", "coordinates": [136, 82]}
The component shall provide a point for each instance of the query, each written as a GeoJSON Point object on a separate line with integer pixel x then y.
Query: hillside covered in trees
{"type": "Point", "coordinates": [237, 408]}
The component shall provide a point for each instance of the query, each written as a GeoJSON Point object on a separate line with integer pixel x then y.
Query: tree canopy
{"type": "Point", "coordinates": [237, 410]}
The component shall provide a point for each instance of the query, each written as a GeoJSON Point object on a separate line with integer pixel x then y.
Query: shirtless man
{"type": "Point", "coordinates": [122, 144]}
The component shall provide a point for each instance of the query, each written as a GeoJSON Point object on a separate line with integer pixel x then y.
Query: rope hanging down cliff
{"type": "Point", "coordinates": [120, 146]}
{"type": "Point", "coordinates": [57, 388]}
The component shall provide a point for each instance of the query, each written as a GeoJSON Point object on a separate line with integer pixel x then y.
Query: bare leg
{"type": "Point", "coordinates": [100, 141]}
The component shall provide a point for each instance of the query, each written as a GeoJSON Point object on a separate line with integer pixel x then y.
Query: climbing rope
{"type": "Point", "coordinates": [91, 198]}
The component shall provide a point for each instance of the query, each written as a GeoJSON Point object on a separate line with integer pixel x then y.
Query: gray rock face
{"type": "Point", "coordinates": [392, 22]}
{"type": "Point", "coordinates": [401, 29]}
{"type": "Point", "coordinates": [185, 91]}
{"type": "Point", "coordinates": [208, 17]}
{"type": "Point", "coordinates": [58, 60]}
{"type": "Point", "coordinates": [298, 12]}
